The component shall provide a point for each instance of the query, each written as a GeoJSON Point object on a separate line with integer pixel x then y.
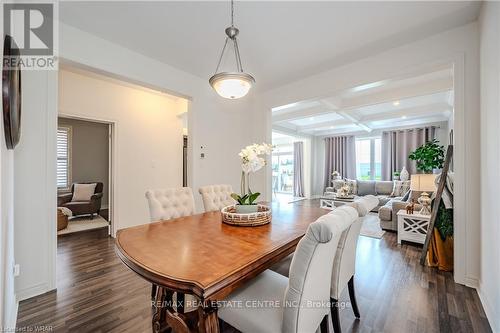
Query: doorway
{"type": "Point", "coordinates": [84, 175]}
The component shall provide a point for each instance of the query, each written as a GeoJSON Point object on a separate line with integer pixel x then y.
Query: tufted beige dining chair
{"type": "Point", "coordinates": [169, 203]}
{"type": "Point", "coordinates": [216, 197]}
{"type": "Point", "coordinates": [273, 303]}
{"type": "Point", "coordinates": [344, 263]}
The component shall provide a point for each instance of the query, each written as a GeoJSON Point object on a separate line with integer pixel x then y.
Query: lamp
{"type": "Point", "coordinates": [425, 183]}
{"type": "Point", "coordinates": [232, 85]}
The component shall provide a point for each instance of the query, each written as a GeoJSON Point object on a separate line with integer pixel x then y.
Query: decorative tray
{"type": "Point", "coordinates": [261, 217]}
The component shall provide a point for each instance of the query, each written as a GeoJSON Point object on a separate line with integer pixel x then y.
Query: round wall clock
{"type": "Point", "coordinates": [11, 93]}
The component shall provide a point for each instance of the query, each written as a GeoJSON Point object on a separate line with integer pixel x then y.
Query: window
{"type": "Point", "coordinates": [368, 159]}
{"type": "Point", "coordinates": [282, 165]}
{"type": "Point", "coordinates": [63, 157]}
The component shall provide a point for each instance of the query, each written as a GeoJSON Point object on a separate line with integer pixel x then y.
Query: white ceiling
{"type": "Point", "coordinates": [279, 41]}
{"type": "Point", "coordinates": [394, 103]}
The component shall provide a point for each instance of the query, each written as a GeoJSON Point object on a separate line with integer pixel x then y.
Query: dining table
{"type": "Point", "coordinates": [199, 255]}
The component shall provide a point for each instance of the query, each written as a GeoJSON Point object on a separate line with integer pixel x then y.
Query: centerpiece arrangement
{"type": "Point", "coordinates": [246, 212]}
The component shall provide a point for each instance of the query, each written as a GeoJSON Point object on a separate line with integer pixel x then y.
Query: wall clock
{"type": "Point", "coordinates": [11, 93]}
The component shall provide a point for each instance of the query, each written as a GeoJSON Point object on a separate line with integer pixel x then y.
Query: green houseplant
{"type": "Point", "coordinates": [428, 156]}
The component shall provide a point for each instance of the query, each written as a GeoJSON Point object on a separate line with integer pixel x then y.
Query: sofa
{"type": "Point", "coordinates": [388, 212]}
{"type": "Point", "coordinates": [90, 207]}
{"type": "Point", "coordinates": [380, 188]}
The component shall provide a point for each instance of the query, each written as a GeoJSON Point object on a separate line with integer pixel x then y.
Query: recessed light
{"type": "Point", "coordinates": [311, 118]}
{"type": "Point", "coordinates": [395, 103]}
{"type": "Point", "coordinates": [331, 127]}
{"type": "Point", "coordinates": [403, 117]}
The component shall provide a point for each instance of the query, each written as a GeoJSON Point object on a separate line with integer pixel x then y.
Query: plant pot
{"type": "Point", "coordinates": [246, 209]}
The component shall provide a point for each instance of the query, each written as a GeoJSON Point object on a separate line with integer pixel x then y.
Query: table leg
{"type": "Point", "coordinates": [208, 318]}
{"type": "Point", "coordinates": [159, 322]}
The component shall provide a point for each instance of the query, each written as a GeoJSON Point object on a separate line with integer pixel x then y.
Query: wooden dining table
{"type": "Point", "coordinates": [202, 256]}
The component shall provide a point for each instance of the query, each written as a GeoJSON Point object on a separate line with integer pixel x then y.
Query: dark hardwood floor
{"type": "Point", "coordinates": [97, 293]}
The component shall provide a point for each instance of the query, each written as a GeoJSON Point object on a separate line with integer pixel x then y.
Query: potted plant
{"type": "Point", "coordinates": [252, 160]}
{"type": "Point", "coordinates": [429, 156]}
{"type": "Point", "coordinates": [395, 175]}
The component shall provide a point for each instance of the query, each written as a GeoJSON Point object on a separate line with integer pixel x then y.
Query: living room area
{"type": "Point", "coordinates": [387, 139]}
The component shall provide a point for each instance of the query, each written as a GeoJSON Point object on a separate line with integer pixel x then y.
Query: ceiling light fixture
{"type": "Point", "coordinates": [396, 103]}
{"type": "Point", "coordinates": [231, 85]}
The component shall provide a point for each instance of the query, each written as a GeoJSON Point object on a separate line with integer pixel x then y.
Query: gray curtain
{"type": "Point", "coordinates": [298, 169]}
{"type": "Point", "coordinates": [397, 145]}
{"type": "Point", "coordinates": [340, 155]}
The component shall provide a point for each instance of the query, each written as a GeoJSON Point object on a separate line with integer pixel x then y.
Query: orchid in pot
{"type": "Point", "coordinates": [252, 160]}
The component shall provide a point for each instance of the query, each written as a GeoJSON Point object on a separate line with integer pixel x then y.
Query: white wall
{"type": "Point", "coordinates": [489, 283]}
{"type": "Point", "coordinates": [148, 137]}
{"type": "Point", "coordinates": [34, 185]}
{"type": "Point", "coordinates": [459, 47]}
{"type": "Point", "coordinates": [8, 306]}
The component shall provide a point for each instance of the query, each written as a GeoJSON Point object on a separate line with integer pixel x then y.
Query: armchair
{"type": "Point", "coordinates": [91, 207]}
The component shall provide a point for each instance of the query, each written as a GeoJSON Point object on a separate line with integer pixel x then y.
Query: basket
{"type": "Point", "coordinates": [261, 217]}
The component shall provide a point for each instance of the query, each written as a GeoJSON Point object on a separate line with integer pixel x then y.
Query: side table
{"type": "Point", "coordinates": [412, 227]}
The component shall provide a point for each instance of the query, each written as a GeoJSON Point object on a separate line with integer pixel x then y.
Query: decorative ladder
{"type": "Point", "coordinates": [435, 205]}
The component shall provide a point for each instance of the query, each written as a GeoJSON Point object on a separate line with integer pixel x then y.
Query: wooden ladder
{"type": "Point", "coordinates": [435, 205]}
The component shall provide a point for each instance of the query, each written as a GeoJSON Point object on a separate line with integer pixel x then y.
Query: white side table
{"type": "Point", "coordinates": [412, 227]}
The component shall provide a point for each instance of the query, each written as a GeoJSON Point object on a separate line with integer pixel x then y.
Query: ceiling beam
{"type": "Point", "coordinates": [355, 121]}
{"type": "Point", "coordinates": [287, 131]}
{"type": "Point", "coordinates": [324, 124]}
{"type": "Point", "coordinates": [409, 112]}
{"type": "Point", "coordinates": [397, 94]}
{"type": "Point", "coordinates": [301, 114]}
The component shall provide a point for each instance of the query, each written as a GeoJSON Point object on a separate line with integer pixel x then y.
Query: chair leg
{"type": "Point", "coordinates": [324, 325]}
{"type": "Point", "coordinates": [335, 316]}
{"type": "Point", "coordinates": [153, 292]}
{"type": "Point", "coordinates": [92, 216]}
{"type": "Point", "coordinates": [352, 296]}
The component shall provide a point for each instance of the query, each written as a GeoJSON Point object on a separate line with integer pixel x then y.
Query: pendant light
{"type": "Point", "coordinates": [236, 84]}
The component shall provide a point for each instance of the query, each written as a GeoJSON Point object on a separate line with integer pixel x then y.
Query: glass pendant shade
{"type": "Point", "coordinates": [232, 85]}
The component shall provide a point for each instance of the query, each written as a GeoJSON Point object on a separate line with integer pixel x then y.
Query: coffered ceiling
{"type": "Point", "coordinates": [420, 99]}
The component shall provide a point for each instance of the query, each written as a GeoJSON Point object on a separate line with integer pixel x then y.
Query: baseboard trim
{"type": "Point", "coordinates": [33, 291]}
{"type": "Point", "coordinates": [471, 282]}
{"type": "Point", "coordinates": [487, 309]}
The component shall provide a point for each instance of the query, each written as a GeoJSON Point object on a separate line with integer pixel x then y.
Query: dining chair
{"type": "Point", "coordinates": [216, 197]}
{"type": "Point", "coordinates": [169, 203]}
{"type": "Point", "coordinates": [345, 258]}
{"type": "Point", "coordinates": [274, 303]}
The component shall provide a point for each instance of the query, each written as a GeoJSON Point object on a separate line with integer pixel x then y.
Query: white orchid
{"type": "Point", "coordinates": [252, 160]}
{"type": "Point", "coordinates": [251, 157]}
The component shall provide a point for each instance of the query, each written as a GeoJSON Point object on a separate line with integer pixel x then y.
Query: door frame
{"type": "Point", "coordinates": [112, 130]}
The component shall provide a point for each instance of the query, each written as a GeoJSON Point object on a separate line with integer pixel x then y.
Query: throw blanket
{"type": "Point", "coordinates": [447, 196]}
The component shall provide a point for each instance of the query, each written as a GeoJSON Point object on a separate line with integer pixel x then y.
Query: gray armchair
{"type": "Point", "coordinates": [91, 207]}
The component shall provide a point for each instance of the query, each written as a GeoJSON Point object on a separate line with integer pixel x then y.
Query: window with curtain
{"type": "Point", "coordinates": [63, 157]}
{"type": "Point", "coordinates": [368, 159]}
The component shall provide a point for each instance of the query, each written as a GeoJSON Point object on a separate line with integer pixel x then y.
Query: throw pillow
{"type": "Point", "coordinates": [400, 188]}
{"type": "Point", "coordinates": [366, 187]}
{"type": "Point", "coordinates": [353, 187]}
{"type": "Point", "coordinates": [83, 192]}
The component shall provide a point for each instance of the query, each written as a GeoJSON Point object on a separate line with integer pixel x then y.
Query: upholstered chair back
{"type": "Point", "coordinates": [345, 257]}
{"type": "Point", "coordinates": [307, 294]}
{"type": "Point", "coordinates": [170, 203]}
{"type": "Point", "coordinates": [216, 197]}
